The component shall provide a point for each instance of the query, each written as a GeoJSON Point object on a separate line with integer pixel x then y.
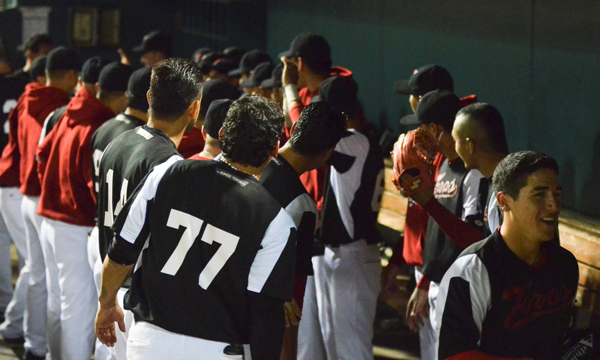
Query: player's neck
{"type": "Point", "coordinates": [174, 132]}
{"type": "Point", "coordinates": [528, 250]}
{"type": "Point", "coordinates": [246, 169]}
{"type": "Point", "coordinates": [210, 151]}
{"type": "Point", "coordinates": [489, 163]}
{"type": "Point", "coordinates": [297, 161]}
{"type": "Point", "coordinates": [141, 115]}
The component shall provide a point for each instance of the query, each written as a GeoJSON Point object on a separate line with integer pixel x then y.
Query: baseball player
{"type": "Point", "coordinates": [62, 67]}
{"type": "Point", "coordinates": [67, 205]}
{"type": "Point", "coordinates": [11, 220]}
{"type": "Point", "coordinates": [314, 137]}
{"type": "Point", "coordinates": [511, 295]}
{"type": "Point", "coordinates": [247, 63]}
{"type": "Point", "coordinates": [212, 236]}
{"type": "Point", "coordinates": [213, 122]}
{"type": "Point", "coordinates": [156, 46]}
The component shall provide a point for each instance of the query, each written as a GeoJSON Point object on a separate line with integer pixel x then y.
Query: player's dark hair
{"type": "Point", "coordinates": [36, 41]}
{"type": "Point", "coordinates": [512, 172]}
{"type": "Point", "coordinates": [251, 130]}
{"type": "Point", "coordinates": [137, 102]}
{"type": "Point", "coordinates": [491, 122]}
{"type": "Point", "coordinates": [174, 85]}
{"type": "Point", "coordinates": [319, 129]}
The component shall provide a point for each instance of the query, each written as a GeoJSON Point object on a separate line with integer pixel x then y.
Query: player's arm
{"type": "Point", "coordinates": [270, 283]}
{"type": "Point", "coordinates": [460, 232]}
{"type": "Point", "coordinates": [109, 312]}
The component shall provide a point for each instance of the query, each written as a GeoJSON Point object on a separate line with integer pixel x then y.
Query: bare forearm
{"type": "Point", "coordinates": [113, 276]}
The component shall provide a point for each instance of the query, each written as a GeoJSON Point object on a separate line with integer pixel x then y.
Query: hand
{"type": "Point", "coordinates": [293, 314]}
{"type": "Point", "coordinates": [105, 324]}
{"type": "Point", "coordinates": [388, 278]}
{"type": "Point", "coordinates": [290, 72]}
{"type": "Point", "coordinates": [417, 309]}
{"type": "Point", "coordinates": [420, 197]}
{"type": "Point", "coordinates": [124, 58]}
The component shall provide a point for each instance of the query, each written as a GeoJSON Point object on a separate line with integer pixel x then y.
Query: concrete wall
{"type": "Point", "coordinates": [537, 61]}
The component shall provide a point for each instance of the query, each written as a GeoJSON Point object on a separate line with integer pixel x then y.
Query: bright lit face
{"type": "Point", "coordinates": [461, 144]}
{"type": "Point", "coordinates": [152, 57]}
{"type": "Point", "coordinates": [535, 212]}
{"type": "Point", "coordinates": [414, 101]}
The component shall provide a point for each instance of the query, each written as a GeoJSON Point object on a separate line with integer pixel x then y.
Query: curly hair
{"type": "Point", "coordinates": [251, 130]}
{"type": "Point", "coordinates": [319, 129]}
{"type": "Point", "coordinates": [512, 172]}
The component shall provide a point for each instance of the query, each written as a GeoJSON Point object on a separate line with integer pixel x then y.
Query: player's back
{"type": "Point", "coordinates": [215, 234]}
{"type": "Point", "coordinates": [124, 164]}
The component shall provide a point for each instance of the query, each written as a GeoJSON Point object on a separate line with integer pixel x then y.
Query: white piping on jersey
{"type": "Point", "coordinates": [471, 193]}
{"type": "Point", "coordinates": [300, 205]}
{"type": "Point", "coordinates": [144, 133]}
{"type": "Point", "coordinates": [272, 245]}
{"type": "Point", "coordinates": [137, 213]}
{"type": "Point", "coordinates": [473, 270]}
{"type": "Point", "coordinates": [345, 185]}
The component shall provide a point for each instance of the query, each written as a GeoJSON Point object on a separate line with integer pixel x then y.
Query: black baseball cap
{"type": "Point", "coordinates": [139, 82]}
{"type": "Point", "coordinates": [114, 77]}
{"type": "Point", "coordinates": [313, 49]}
{"type": "Point", "coordinates": [341, 92]}
{"type": "Point", "coordinates": [198, 54]}
{"type": "Point", "coordinates": [155, 41]}
{"type": "Point", "coordinates": [234, 54]}
{"type": "Point", "coordinates": [425, 79]}
{"type": "Point", "coordinates": [223, 66]}
{"type": "Point", "coordinates": [35, 41]}
{"type": "Point", "coordinates": [91, 69]}
{"type": "Point", "coordinates": [62, 58]}
{"type": "Point", "coordinates": [438, 107]}
{"type": "Point", "coordinates": [207, 60]}
{"type": "Point", "coordinates": [38, 68]}
{"type": "Point", "coordinates": [260, 73]}
{"type": "Point", "coordinates": [275, 79]}
{"type": "Point", "coordinates": [249, 61]}
{"type": "Point", "coordinates": [216, 89]}
{"type": "Point", "coordinates": [215, 116]}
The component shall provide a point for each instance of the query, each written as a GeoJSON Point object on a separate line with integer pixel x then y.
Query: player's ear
{"type": "Point", "coordinates": [204, 133]}
{"type": "Point", "coordinates": [97, 87]}
{"type": "Point", "coordinates": [194, 109]}
{"type": "Point", "coordinates": [470, 145]}
{"type": "Point", "coordinates": [292, 129]}
{"type": "Point", "coordinates": [275, 151]}
{"type": "Point", "coordinates": [148, 96]}
{"type": "Point", "coordinates": [220, 134]}
{"type": "Point", "coordinates": [503, 200]}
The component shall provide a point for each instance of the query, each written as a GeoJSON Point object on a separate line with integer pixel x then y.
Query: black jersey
{"type": "Point", "coordinates": [106, 133]}
{"type": "Point", "coordinates": [282, 182]}
{"type": "Point", "coordinates": [208, 235]}
{"type": "Point", "coordinates": [124, 164]}
{"type": "Point", "coordinates": [11, 88]}
{"type": "Point", "coordinates": [353, 190]}
{"type": "Point", "coordinates": [492, 301]}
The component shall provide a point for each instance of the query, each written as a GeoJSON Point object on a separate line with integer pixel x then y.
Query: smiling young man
{"type": "Point", "coordinates": [511, 295]}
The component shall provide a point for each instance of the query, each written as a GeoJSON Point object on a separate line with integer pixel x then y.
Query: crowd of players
{"type": "Point", "coordinates": [263, 243]}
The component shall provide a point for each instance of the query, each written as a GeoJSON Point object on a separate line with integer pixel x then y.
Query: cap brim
{"type": "Point", "coordinates": [288, 54]}
{"type": "Point", "coordinates": [138, 49]}
{"type": "Point", "coordinates": [236, 72]}
{"type": "Point", "coordinates": [248, 83]}
{"type": "Point", "coordinates": [267, 84]}
{"type": "Point", "coordinates": [410, 120]}
{"type": "Point", "coordinates": [315, 99]}
{"type": "Point", "coordinates": [402, 87]}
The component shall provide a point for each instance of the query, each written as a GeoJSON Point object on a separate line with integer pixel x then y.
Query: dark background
{"type": "Point", "coordinates": [536, 60]}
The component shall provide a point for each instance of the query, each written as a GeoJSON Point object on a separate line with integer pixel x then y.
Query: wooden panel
{"type": "Point", "coordinates": [589, 277]}
{"type": "Point", "coordinates": [391, 219]}
{"type": "Point", "coordinates": [589, 300]}
{"type": "Point", "coordinates": [395, 203]}
{"type": "Point", "coordinates": [585, 249]}
{"type": "Point", "coordinates": [388, 184]}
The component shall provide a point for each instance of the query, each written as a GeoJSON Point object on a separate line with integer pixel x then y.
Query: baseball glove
{"type": "Point", "coordinates": [413, 156]}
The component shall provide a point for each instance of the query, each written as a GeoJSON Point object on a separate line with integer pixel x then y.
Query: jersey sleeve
{"type": "Point", "coordinates": [131, 227]}
{"type": "Point", "coordinates": [470, 195]}
{"type": "Point", "coordinates": [272, 271]}
{"type": "Point", "coordinates": [464, 300]}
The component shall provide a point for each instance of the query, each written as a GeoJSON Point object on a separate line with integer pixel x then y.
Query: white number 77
{"type": "Point", "coordinates": [192, 229]}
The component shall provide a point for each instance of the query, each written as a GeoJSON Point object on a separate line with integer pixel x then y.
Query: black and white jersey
{"type": "Point", "coordinates": [208, 235]}
{"type": "Point", "coordinates": [123, 166]}
{"type": "Point", "coordinates": [51, 121]}
{"type": "Point", "coordinates": [106, 133]}
{"type": "Point", "coordinates": [11, 88]}
{"type": "Point", "coordinates": [353, 191]}
{"type": "Point", "coordinates": [282, 182]}
{"type": "Point", "coordinates": [493, 302]}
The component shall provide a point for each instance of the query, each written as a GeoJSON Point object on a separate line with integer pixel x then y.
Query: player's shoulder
{"type": "Point", "coordinates": [483, 252]}
{"type": "Point", "coordinates": [560, 254]}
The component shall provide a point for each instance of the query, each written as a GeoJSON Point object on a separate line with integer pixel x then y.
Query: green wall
{"type": "Point", "coordinates": [537, 61]}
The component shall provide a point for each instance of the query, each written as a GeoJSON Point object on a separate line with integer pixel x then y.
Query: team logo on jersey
{"type": "Point", "coordinates": [445, 188]}
{"type": "Point", "coordinates": [530, 305]}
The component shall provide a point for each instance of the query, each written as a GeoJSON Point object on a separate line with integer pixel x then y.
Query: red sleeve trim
{"type": "Point", "coordinates": [424, 283]}
{"type": "Point", "coordinates": [478, 355]}
{"type": "Point", "coordinates": [461, 233]}
{"type": "Point", "coordinates": [295, 111]}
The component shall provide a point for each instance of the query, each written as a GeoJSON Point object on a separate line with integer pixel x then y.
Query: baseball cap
{"type": "Point", "coordinates": [341, 92]}
{"type": "Point", "coordinates": [234, 54]}
{"type": "Point", "coordinates": [275, 79]}
{"type": "Point", "coordinates": [223, 66]}
{"type": "Point", "coordinates": [62, 58]}
{"type": "Point", "coordinates": [198, 54]}
{"type": "Point", "coordinates": [155, 41]}
{"type": "Point", "coordinates": [207, 60]}
{"type": "Point", "coordinates": [215, 116]}
{"type": "Point", "coordinates": [425, 79]}
{"type": "Point", "coordinates": [313, 49]}
{"type": "Point", "coordinates": [35, 41]}
{"type": "Point", "coordinates": [438, 107]}
{"type": "Point", "coordinates": [139, 82]}
{"type": "Point", "coordinates": [38, 68]}
{"type": "Point", "coordinates": [249, 61]}
{"type": "Point", "coordinates": [260, 73]}
{"type": "Point", "coordinates": [91, 69]}
{"type": "Point", "coordinates": [114, 77]}
{"type": "Point", "coordinates": [216, 89]}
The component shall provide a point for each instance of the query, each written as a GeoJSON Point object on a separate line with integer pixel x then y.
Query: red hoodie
{"type": "Point", "coordinates": [65, 159]}
{"type": "Point", "coordinates": [11, 157]}
{"type": "Point", "coordinates": [191, 143]}
{"type": "Point", "coordinates": [313, 180]}
{"type": "Point", "coordinates": [37, 105]}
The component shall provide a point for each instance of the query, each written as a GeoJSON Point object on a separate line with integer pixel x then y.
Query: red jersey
{"type": "Point", "coordinates": [65, 162]}
{"type": "Point", "coordinates": [198, 157]}
{"type": "Point", "coordinates": [191, 143]}
{"type": "Point", "coordinates": [37, 105]}
{"type": "Point", "coordinates": [11, 157]}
